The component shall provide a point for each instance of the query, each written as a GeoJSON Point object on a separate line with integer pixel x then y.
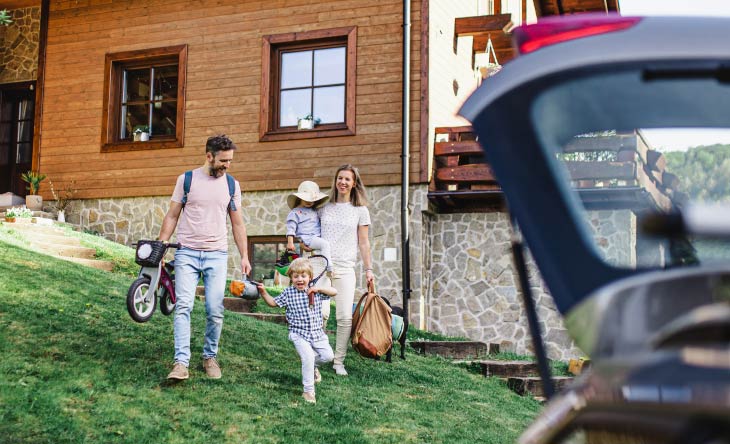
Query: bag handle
{"type": "Point", "coordinates": [371, 286]}
{"type": "Point", "coordinates": [369, 298]}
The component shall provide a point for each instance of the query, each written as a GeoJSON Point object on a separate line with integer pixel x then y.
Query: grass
{"type": "Point", "coordinates": [77, 369]}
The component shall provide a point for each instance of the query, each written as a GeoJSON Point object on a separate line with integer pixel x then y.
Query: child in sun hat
{"type": "Point", "coordinates": [306, 329]}
{"type": "Point", "coordinates": [303, 220]}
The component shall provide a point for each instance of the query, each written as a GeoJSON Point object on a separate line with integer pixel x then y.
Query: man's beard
{"type": "Point", "coordinates": [216, 172]}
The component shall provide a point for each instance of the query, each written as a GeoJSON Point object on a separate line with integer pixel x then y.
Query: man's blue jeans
{"type": "Point", "coordinates": [189, 266]}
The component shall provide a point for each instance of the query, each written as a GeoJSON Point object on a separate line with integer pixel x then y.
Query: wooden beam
{"type": "Point", "coordinates": [466, 173]}
{"type": "Point", "coordinates": [478, 25]}
{"type": "Point", "coordinates": [602, 170]}
{"type": "Point", "coordinates": [463, 147]}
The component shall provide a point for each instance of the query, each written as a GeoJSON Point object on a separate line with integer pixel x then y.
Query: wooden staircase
{"type": "Point", "coordinates": [45, 237]}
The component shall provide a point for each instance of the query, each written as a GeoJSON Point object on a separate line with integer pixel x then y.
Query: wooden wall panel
{"type": "Point", "coordinates": [224, 40]}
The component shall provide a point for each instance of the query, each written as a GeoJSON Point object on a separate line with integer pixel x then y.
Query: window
{"type": "Point", "coordinates": [308, 74]}
{"type": "Point", "coordinates": [263, 252]}
{"type": "Point", "coordinates": [144, 99]}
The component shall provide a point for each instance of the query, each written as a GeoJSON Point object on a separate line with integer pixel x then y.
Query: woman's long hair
{"type": "Point", "coordinates": [358, 196]}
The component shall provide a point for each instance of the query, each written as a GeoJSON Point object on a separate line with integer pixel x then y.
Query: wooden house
{"type": "Point", "coordinates": [103, 72]}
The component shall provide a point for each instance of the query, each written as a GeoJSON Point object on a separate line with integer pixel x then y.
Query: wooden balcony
{"type": "Point", "coordinates": [609, 172]}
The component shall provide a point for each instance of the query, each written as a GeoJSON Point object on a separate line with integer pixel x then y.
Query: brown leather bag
{"type": "Point", "coordinates": [371, 333]}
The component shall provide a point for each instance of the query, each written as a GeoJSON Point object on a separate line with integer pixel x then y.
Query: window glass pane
{"type": "Point", "coordinates": [137, 85]}
{"type": "Point", "coordinates": [4, 133]}
{"type": "Point", "coordinates": [163, 118]}
{"type": "Point", "coordinates": [294, 105]}
{"type": "Point", "coordinates": [136, 115]}
{"type": "Point", "coordinates": [25, 110]}
{"type": "Point", "coordinates": [264, 252]}
{"type": "Point", "coordinates": [329, 104]}
{"type": "Point", "coordinates": [25, 131]}
{"type": "Point", "coordinates": [25, 152]}
{"type": "Point", "coordinates": [6, 110]}
{"type": "Point", "coordinates": [165, 82]}
{"type": "Point", "coordinates": [4, 158]}
{"type": "Point", "coordinates": [329, 66]}
{"type": "Point", "coordinates": [296, 69]}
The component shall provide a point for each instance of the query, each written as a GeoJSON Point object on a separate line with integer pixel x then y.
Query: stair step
{"type": "Point", "coordinates": [64, 250]}
{"type": "Point", "coordinates": [56, 238]}
{"type": "Point", "coordinates": [95, 263]}
{"type": "Point", "coordinates": [532, 385]}
{"type": "Point", "coordinates": [269, 317]}
{"type": "Point", "coordinates": [453, 349]}
{"type": "Point", "coordinates": [28, 227]}
{"type": "Point", "coordinates": [506, 369]}
{"type": "Point", "coordinates": [237, 305]}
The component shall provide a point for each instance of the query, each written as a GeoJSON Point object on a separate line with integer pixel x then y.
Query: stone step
{"type": "Point", "coordinates": [55, 238]}
{"type": "Point", "coordinates": [33, 228]}
{"type": "Point", "coordinates": [506, 369]}
{"type": "Point", "coordinates": [455, 349]}
{"type": "Point", "coordinates": [269, 317]}
{"type": "Point", "coordinates": [237, 305]}
{"type": "Point", "coordinates": [532, 385]}
{"type": "Point", "coordinates": [94, 263]}
{"type": "Point", "coordinates": [64, 250]}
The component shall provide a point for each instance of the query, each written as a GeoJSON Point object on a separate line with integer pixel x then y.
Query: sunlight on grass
{"type": "Point", "coordinates": [76, 368]}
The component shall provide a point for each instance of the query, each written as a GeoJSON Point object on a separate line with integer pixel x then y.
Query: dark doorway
{"type": "Point", "coordinates": [17, 102]}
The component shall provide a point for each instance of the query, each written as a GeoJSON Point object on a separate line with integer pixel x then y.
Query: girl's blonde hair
{"type": "Point", "coordinates": [300, 266]}
{"type": "Point", "coordinates": [358, 196]}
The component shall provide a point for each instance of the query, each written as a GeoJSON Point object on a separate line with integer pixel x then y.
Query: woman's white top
{"type": "Point", "coordinates": [340, 222]}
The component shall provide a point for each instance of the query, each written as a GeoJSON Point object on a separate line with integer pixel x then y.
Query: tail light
{"type": "Point", "coordinates": [554, 30]}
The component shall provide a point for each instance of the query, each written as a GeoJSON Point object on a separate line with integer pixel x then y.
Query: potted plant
{"type": "Point", "coordinates": [307, 122]}
{"type": "Point", "coordinates": [33, 200]}
{"type": "Point", "coordinates": [13, 213]}
{"type": "Point", "coordinates": [141, 133]}
{"type": "Point", "coordinates": [63, 199]}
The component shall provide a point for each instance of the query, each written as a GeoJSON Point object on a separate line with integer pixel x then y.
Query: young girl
{"type": "Point", "coordinates": [305, 322]}
{"type": "Point", "coordinates": [303, 221]}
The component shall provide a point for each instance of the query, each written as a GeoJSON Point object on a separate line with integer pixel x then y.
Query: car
{"type": "Point", "coordinates": [626, 220]}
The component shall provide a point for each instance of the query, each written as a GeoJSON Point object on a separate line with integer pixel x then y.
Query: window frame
{"type": "Point", "coordinates": [114, 65]}
{"type": "Point", "coordinates": [272, 47]}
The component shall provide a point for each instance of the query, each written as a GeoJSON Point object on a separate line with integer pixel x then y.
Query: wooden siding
{"type": "Point", "coordinates": [224, 41]}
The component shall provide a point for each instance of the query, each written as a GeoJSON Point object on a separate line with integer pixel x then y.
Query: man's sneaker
{"type": "Point", "coordinates": [211, 367]}
{"type": "Point", "coordinates": [340, 369]}
{"type": "Point", "coordinates": [179, 372]}
{"type": "Point", "coordinates": [309, 397]}
{"type": "Point", "coordinates": [317, 376]}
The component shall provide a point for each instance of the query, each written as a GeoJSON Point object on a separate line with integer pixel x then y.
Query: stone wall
{"type": "Point", "coordinates": [19, 46]}
{"type": "Point", "coordinates": [462, 279]}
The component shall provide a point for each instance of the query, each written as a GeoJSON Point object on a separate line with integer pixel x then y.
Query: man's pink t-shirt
{"type": "Point", "coordinates": [202, 223]}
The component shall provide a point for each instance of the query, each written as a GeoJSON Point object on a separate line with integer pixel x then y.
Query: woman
{"type": "Point", "coordinates": [345, 221]}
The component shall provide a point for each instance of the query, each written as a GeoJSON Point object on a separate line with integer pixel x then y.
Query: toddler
{"type": "Point", "coordinates": [304, 315]}
{"type": "Point", "coordinates": [303, 220]}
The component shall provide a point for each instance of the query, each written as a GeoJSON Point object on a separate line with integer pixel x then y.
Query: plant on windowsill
{"type": "Point", "coordinates": [33, 200]}
{"type": "Point", "coordinates": [141, 133]}
{"type": "Point", "coordinates": [307, 122]}
{"type": "Point", "coordinates": [63, 199]}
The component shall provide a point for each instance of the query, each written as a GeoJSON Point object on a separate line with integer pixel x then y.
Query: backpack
{"type": "Point", "coordinates": [371, 333]}
{"type": "Point", "coordinates": [231, 189]}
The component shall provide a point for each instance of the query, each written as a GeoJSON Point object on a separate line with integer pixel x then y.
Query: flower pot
{"type": "Point", "coordinates": [9, 219]}
{"type": "Point", "coordinates": [61, 216]}
{"type": "Point", "coordinates": [34, 202]}
{"type": "Point", "coordinates": [136, 136]}
{"type": "Point", "coordinates": [144, 137]}
{"type": "Point", "coordinates": [305, 124]}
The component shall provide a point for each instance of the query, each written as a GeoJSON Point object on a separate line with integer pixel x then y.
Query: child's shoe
{"type": "Point", "coordinates": [340, 369]}
{"type": "Point", "coordinates": [309, 397]}
{"type": "Point", "coordinates": [317, 376]}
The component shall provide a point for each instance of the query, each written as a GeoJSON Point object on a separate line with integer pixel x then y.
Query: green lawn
{"type": "Point", "coordinates": [76, 369]}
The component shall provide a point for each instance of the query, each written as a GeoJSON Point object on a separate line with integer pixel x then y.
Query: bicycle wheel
{"type": "Point", "coordinates": [138, 307]}
{"type": "Point", "coordinates": [166, 304]}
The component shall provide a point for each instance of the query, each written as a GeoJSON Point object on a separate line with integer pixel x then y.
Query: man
{"type": "Point", "coordinates": [203, 238]}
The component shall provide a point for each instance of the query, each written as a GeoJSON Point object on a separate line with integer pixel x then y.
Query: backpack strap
{"type": "Point", "coordinates": [231, 189]}
{"type": "Point", "coordinates": [186, 186]}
